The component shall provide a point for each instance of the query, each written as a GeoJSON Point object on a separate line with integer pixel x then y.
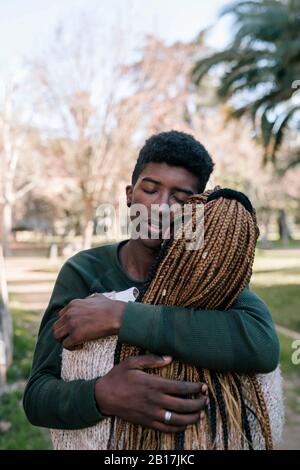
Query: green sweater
{"type": "Point", "coordinates": [240, 339]}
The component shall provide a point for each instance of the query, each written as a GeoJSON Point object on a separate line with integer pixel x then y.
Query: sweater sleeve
{"type": "Point", "coordinates": [241, 339]}
{"type": "Point", "coordinates": [48, 400]}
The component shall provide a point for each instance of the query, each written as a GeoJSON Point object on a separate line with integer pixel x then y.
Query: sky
{"type": "Point", "coordinates": [26, 26]}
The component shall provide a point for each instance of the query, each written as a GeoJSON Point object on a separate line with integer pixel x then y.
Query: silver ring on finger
{"type": "Point", "coordinates": [167, 417]}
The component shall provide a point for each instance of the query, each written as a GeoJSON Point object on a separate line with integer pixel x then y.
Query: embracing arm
{"type": "Point", "coordinates": [126, 391]}
{"type": "Point", "coordinates": [241, 339]}
{"type": "Point", "coordinates": [49, 401]}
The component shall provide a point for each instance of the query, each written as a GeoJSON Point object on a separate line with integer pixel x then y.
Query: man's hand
{"type": "Point", "coordinates": [141, 398]}
{"type": "Point", "coordinates": [86, 319]}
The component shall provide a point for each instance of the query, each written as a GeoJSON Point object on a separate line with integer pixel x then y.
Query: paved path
{"type": "Point", "coordinates": [287, 332]}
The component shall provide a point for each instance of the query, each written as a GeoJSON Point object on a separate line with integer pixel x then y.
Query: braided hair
{"type": "Point", "coordinates": [210, 277]}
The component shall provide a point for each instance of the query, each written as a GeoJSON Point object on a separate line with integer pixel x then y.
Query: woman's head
{"type": "Point", "coordinates": [213, 275]}
{"type": "Point", "coordinates": [208, 278]}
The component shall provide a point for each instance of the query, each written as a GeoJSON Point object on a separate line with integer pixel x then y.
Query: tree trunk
{"type": "Point", "coordinates": [6, 328]}
{"type": "Point", "coordinates": [6, 228]}
{"type": "Point", "coordinates": [283, 229]}
{"type": "Point", "coordinates": [265, 238]}
{"type": "Point", "coordinates": [88, 228]}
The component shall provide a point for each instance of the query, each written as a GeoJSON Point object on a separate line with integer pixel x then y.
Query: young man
{"type": "Point", "coordinates": [171, 167]}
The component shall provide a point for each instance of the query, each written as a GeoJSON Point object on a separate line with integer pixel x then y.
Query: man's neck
{"type": "Point", "coordinates": [137, 259]}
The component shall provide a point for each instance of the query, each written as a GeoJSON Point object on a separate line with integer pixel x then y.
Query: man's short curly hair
{"type": "Point", "coordinates": [178, 149]}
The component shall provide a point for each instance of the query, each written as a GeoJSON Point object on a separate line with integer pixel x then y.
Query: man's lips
{"type": "Point", "coordinates": [152, 227]}
{"type": "Point", "coordinates": [155, 228]}
{"type": "Point", "coordinates": [159, 229]}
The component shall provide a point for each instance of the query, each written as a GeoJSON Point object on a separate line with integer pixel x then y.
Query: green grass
{"type": "Point", "coordinates": [276, 280]}
{"type": "Point", "coordinates": [24, 343]}
{"type": "Point", "coordinates": [286, 352]}
{"type": "Point", "coordinates": [21, 435]}
{"type": "Point", "coordinates": [284, 303]}
{"type": "Point", "coordinates": [291, 381]}
{"type": "Point", "coordinates": [275, 244]}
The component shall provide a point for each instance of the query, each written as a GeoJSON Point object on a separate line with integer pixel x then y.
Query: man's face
{"type": "Point", "coordinates": [160, 184]}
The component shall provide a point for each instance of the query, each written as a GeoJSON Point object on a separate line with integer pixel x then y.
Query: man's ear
{"type": "Point", "coordinates": [129, 191]}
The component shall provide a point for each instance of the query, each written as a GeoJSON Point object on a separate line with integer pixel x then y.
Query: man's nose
{"type": "Point", "coordinates": [164, 199]}
{"type": "Point", "coordinates": [160, 211]}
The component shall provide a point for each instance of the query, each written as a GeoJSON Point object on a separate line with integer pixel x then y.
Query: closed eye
{"type": "Point", "coordinates": [149, 192]}
{"type": "Point", "coordinates": [179, 200]}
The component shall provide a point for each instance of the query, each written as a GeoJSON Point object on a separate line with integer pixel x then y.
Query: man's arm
{"type": "Point", "coordinates": [49, 401]}
{"type": "Point", "coordinates": [126, 391]}
{"type": "Point", "coordinates": [241, 339]}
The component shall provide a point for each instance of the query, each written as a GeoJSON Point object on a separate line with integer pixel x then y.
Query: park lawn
{"type": "Point", "coordinates": [276, 279]}
{"type": "Point", "coordinates": [284, 304]}
{"type": "Point", "coordinates": [291, 384]}
{"type": "Point", "coordinates": [21, 435]}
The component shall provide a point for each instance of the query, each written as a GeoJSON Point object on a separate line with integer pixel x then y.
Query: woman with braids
{"type": "Point", "coordinates": [94, 407]}
{"type": "Point", "coordinates": [210, 276]}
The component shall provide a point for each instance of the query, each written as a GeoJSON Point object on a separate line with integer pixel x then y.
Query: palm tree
{"type": "Point", "coordinates": [261, 70]}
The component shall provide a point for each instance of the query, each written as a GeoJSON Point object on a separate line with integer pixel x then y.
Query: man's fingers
{"type": "Point", "coordinates": [60, 333]}
{"type": "Point", "coordinates": [149, 361]}
{"type": "Point", "coordinates": [59, 323]}
{"type": "Point", "coordinates": [63, 311]}
{"type": "Point", "coordinates": [167, 386]}
{"type": "Point", "coordinates": [179, 419]}
{"type": "Point", "coordinates": [98, 295]}
{"type": "Point", "coordinates": [159, 426]}
{"type": "Point", "coordinates": [70, 343]}
{"type": "Point", "coordinates": [72, 303]}
{"type": "Point", "coordinates": [75, 347]}
{"type": "Point", "coordinates": [176, 422]}
{"type": "Point", "coordinates": [181, 405]}
{"type": "Point", "coordinates": [176, 387]}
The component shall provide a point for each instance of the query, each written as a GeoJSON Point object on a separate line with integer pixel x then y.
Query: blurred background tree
{"type": "Point", "coordinates": [94, 107]}
{"type": "Point", "coordinates": [261, 69]}
{"type": "Point", "coordinates": [78, 85]}
{"type": "Point", "coordinates": [259, 79]}
{"type": "Point", "coordinates": [19, 163]}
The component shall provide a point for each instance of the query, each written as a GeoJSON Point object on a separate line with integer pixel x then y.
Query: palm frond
{"type": "Point", "coordinates": [203, 66]}
{"type": "Point", "coordinates": [265, 52]}
{"type": "Point", "coordinates": [279, 134]}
